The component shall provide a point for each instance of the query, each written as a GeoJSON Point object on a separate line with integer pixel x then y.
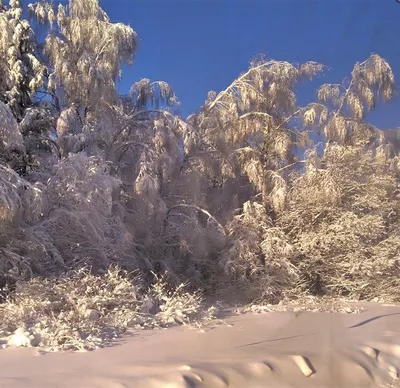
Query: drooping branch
{"type": "Point", "coordinates": [237, 82]}
{"type": "Point", "coordinates": [52, 142]}
{"type": "Point", "coordinates": [135, 115]}
{"type": "Point", "coordinates": [262, 114]}
{"type": "Point", "coordinates": [132, 142]}
{"type": "Point", "coordinates": [207, 213]}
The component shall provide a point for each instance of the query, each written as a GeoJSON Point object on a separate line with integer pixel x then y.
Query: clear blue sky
{"type": "Point", "coordinates": [202, 45]}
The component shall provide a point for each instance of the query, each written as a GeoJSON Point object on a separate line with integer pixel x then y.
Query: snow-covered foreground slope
{"type": "Point", "coordinates": [266, 350]}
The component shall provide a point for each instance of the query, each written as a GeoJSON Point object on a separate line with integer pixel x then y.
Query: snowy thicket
{"type": "Point", "coordinates": [240, 197]}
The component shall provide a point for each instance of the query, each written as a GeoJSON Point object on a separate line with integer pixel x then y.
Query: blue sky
{"type": "Point", "coordinates": [202, 45]}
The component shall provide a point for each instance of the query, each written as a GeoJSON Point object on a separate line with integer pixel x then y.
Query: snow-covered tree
{"type": "Point", "coordinates": [84, 48]}
{"type": "Point", "coordinates": [347, 183]}
{"type": "Point", "coordinates": [342, 210]}
{"type": "Point", "coordinates": [247, 129]}
{"type": "Point", "coordinates": [22, 74]}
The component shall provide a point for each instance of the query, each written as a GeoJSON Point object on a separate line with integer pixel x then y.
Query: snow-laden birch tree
{"type": "Point", "coordinates": [107, 173]}
{"type": "Point", "coordinates": [353, 181]}
{"type": "Point", "coordinates": [249, 126]}
{"type": "Point", "coordinates": [22, 74]}
{"type": "Point", "coordinates": [68, 176]}
{"type": "Point", "coordinates": [343, 210]}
